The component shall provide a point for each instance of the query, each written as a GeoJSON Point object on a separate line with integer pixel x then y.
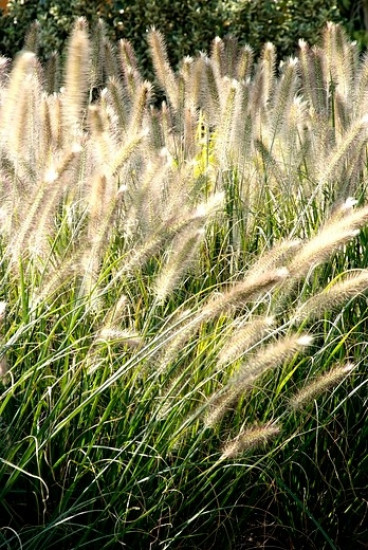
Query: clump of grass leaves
{"type": "Point", "coordinates": [182, 272]}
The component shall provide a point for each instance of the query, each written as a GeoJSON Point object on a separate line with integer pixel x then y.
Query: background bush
{"type": "Point", "coordinates": [55, 18]}
{"type": "Point", "coordinates": [188, 25]}
{"type": "Point", "coordinates": [355, 16]}
{"type": "Point", "coordinates": [281, 22]}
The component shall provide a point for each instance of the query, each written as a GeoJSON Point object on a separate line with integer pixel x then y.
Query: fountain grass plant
{"type": "Point", "coordinates": [183, 309]}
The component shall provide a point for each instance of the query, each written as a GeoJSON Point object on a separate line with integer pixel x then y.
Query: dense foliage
{"type": "Point", "coordinates": [188, 25]}
{"type": "Point", "coordinates": [282, 22]}
{"type": "Point", "coordinates": [55, 17]}
{"type": "Point", "coordinates": [355, 16]}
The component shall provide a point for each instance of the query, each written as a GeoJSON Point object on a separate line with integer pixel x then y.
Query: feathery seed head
{"type": "Point", "coordinates": [180, 257]}
{"type": "Point", "coordinates": [343, 209]}
{"type": "Point", "coordinates": [250, 438]}
{"type": "Point", "coordinates": [333, 296]}
{"type": "Point", "coordinates": [317, 249]}
{"type": "Point", "coordinates": [247, 290]}
{"type": "Point", "coordinates": [211, 205]}
{"type": "Point", "coordinates": [269, 357]}
{"type": "Point", "coordinates": [122, 189]}
{"type": "Point", "coordinates": [123, 337]}
{"type": "Point", "coordinates": [186, 67]}
{"type": "Point", "coordinates": [77, 75]}
{"type": "Point", "coordinates": [51, 175]}
{"type": "Point", "coordinates": [305, 340]}
{"type": "Point", "coordinates": [4, 61]}
{"type": "Point", "coordinates": [349, 203]}
{"type": "Point", "coordinates": [244, 338]}
{"type": "Point", "coordinates": [76, 148]}
{"type": "Point", "coordinates": [3, 306]}
{"type": "Point", "coordinates": [320, 385]}
{"type": "Point", "coordinates": [269, 47]}
{"type": "Point", "coordinates": [218, 405]}
{"type": "Point", "coordinates": [4, 367]}
{"type": "Point", "coordinates": [28, 58]}
{"type": "Point", "coordinates": [282, 273]}
{"type": "Point", "coordinates": [279, 253]}
{"type": "Point", "coordinates": [163, 70]}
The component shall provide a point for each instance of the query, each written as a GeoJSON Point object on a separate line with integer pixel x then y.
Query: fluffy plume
{"type": "Point", "coordinates": [163, 70]}
{"type": "Point", "coordinates": [248, 439]}
{"type": "Point", "coordinates": [76, 77]}
{"type": "Point", "coordinates": [243, 338]}
{"type": "Point", "coordinates": [320, 385]}
{"type": "Point", "coordinates": [333, 296]}
{"type": "Point", "coordinates": [339, 230]}
{"type": "Point", "coordinates": [269, 357]}
{"type": "Point", "coordinates": [244, 291]}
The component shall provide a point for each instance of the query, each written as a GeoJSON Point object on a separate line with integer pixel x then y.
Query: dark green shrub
{"type": "Point", "coordinates": [281, 22]}
{"type": "Point", "coordinates": [355, 15]}
{"type": "Point", "coordinates": [56, 20]}
{"type": "Point", "coordinates": [188, 25]}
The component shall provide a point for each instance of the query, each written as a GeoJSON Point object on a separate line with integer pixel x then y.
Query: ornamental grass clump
{"type": "Point", "coordinates": [184, 273]}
